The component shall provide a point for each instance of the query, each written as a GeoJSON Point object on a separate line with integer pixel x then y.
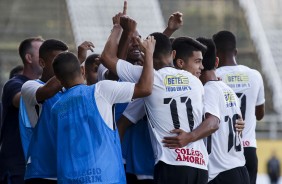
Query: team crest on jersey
{"type": "Point", "coordinates": [176, 83]}
{"type": "Point", "coordinates": [230, 99]}
{"type": "Point", "coordinates": [237, 80]}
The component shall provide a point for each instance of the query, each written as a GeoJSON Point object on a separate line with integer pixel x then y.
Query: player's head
{"type": "Point", "coordinates": [67, 69]}
{"type": "Point", "coordinates": [47, 52]}
{"type": "Point", "coordinates": [189, 55]}
{"type": "Point", "coordinates": [163, 53]}
{"type": "Point", "coordinates": [225, 42]}
{"type": "Point", "coordinates": [16, 71]}
{"type": "Point", "coordinates": [92, 63]}
{"type": "Point", "coordinates": [134, 55]}
{"type": "Point", "coordinates": [29, 53]}
{"type": "Point", "coordinates": [210, 61]}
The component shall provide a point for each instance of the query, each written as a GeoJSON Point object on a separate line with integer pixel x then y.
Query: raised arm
{"type": "Point", "coordinates": [109, 55]}
{"type": "Point", "coordinates": [145, 84]}
{"type": "Point", "coordinates": [175, 21]}
{"type": "Point", "coordinates": [82, 50]}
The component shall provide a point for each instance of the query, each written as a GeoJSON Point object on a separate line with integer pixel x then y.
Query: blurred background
{"type": "Point", "coordinates": [256, 23]}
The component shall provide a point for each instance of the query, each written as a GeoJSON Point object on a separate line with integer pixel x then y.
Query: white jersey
{"type": "Point", "coordinates": [105, 95]}
{"type": "Point", "coordinates": [225, 147]}
{"type": "Point", "coordinates": [248, 86]}
{"type": "Point", "coordinates": [176, 102]}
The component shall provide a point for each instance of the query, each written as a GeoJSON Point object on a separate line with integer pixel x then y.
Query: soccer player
{"type": "Point", "coordinates": [12, 165]}
{"type": "Point", "coordinates": [135, 134]}
{"type": "Point", "coordinates": [83, 117]}
{"type": "Point", "coordinates": [174, 91]}
{"type": "Point", "coordinates": [38, 98]}
{"type": "Point", "coordinates": [248, 86]}
{"type": "Point", "coordinates": [226, 157]}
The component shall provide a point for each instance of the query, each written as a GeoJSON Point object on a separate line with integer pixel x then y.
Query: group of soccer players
{"type": "Point", "coordinates": [160, 110]}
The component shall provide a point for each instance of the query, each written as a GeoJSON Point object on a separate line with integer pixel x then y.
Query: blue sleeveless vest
{"type": "Point", "coordinates": [88, 151]}
{"type": "Point", "coordinates": [41, 155]}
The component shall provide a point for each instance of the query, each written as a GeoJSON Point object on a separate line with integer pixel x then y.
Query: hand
{"type": "Point", "coordinates": [175, 21]}
{"type": "Point", "coordinates": [116, 18]}
{"type": "Point", "coordinates": [128, 24]}
{"type": "Point", "coordinates": [82, 50]}
{"type": "Point", "coordinates": [147, 45]}
{"type": "Point", "coordinates": [240, 125]}
{"type": "Point", "coordinates": [182, 139]}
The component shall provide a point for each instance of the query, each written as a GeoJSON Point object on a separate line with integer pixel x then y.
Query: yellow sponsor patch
{"type": "Point", "coordinates": [176, 83]}
{"type": "Point", "coordinates": [177, 80]}
{"type": "Point", "coordinates": [230, 100]}
{"type": "Point", "coordinates": [237, 80]}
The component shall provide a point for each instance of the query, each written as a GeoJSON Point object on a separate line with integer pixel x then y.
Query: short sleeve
{"type": "Point", "coordinates": [135, 110]}
{"type": "Point", "coordinates": [29, 92]}
{"type": "Point", "coordinates": [261, 97]}
{"type": "Point", "coordinates": [211, 101]}
{"type": "Point", "coordinates": [128, 72]}
{"type": "Point", "coordinates": [11, 88]}
{"type": "Point", "coordinates": [115, 92]}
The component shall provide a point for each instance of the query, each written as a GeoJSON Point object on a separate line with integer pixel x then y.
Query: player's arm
{"type": "Point", "coordinates": [206, 128]}
{"type": "Point", "coordinates": [175, 21]}
{"type": "Point", "coordinates": [16, 100]}
{"type": "Point", "coordinates": [122, 124]}
{"type": "Point", "coordinates": [260, 112]}
{"type": "Point", "coordinates": [48, 90]}
{"type": "Point", "coordinates": [82, 50]}
{"type": "Point", "coordinates": [131, 115]}
{"type": "Point", "coordinates": [145, 84]}
{"type": "Point", "coordinates": [109, 55]}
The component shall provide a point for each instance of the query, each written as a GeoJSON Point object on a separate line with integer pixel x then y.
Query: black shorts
{"type": "Point", "coordinates": [251, 163]}
{"type": "Point", "coordinates": [170, 174]}
{"type": "Point", "coordinates": [132, 179]}
{"type": "Point", "coordinates": [40, 181]}
{"type": "Point", "coordinates": [238, 175]}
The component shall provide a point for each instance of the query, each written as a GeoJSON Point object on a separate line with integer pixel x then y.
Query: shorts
{"type": "Point", "coordinates": [168, 174]}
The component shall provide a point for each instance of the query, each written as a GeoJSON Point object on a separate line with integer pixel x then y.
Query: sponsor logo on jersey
{"type": "Point", "coordinates": [230, 100]}
{"type": "Point", "coordinates": [87, 176]}
{"type": "Point", "coordinates": [176, 83]}
{"type": "Point", "coordinates": [190, 155]}
{"type": "Point", "coordinates": [237, 80]}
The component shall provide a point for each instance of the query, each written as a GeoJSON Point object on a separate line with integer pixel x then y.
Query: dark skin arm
{"type": "Point", "coordinates": [82, 50]}
{"type": "Point", "coordinates": [122, 124]}
{"type": "Point", "coordinates": [260, 112]}
{"type": "Point", "coordinates": [109, 59]}
{"type": "Point", "coordinates": [207, 127]}
{"type": "Point", "coordinates": [122, 51]}
{"type": "Point", "coordinates": [175, 21]}
{"type": "Point", "coordinates": [51, 87]}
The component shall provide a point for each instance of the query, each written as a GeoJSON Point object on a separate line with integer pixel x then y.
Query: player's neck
{"type": "Point", "coordinates": [73, 82]}
{"type": "Point", "coordinates": [228, 61]}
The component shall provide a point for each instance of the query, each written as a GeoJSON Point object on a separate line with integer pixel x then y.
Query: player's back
{"type": "Point", "coordinates": [248, 86]}
{"type": "Point", "coordinates": [224, 146]}
{"type": "Point", "coordinates": [87, 150]}
{"type": "Point", "coordinates": [176, 102]}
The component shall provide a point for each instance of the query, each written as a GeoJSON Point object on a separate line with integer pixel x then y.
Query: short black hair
{"type": "Point", "coordinates": [90, 60]}
{"type": "Point", "coordinates": [66, 66]}
{"type": "Point", "coordinates": [184, 47]}
{"type": "Point", "coordinates": [209, 57]}
{"type": "Point", "coordinates": [26, 45]}
{"type": "Point", "coordinates": [163, 45]}
{"type": "Point", "coordinates": [15, 71]}
{"type": "Point", "coordinates": [224, 41]}
{"type": "Point", "coordinates": [51, 45]}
